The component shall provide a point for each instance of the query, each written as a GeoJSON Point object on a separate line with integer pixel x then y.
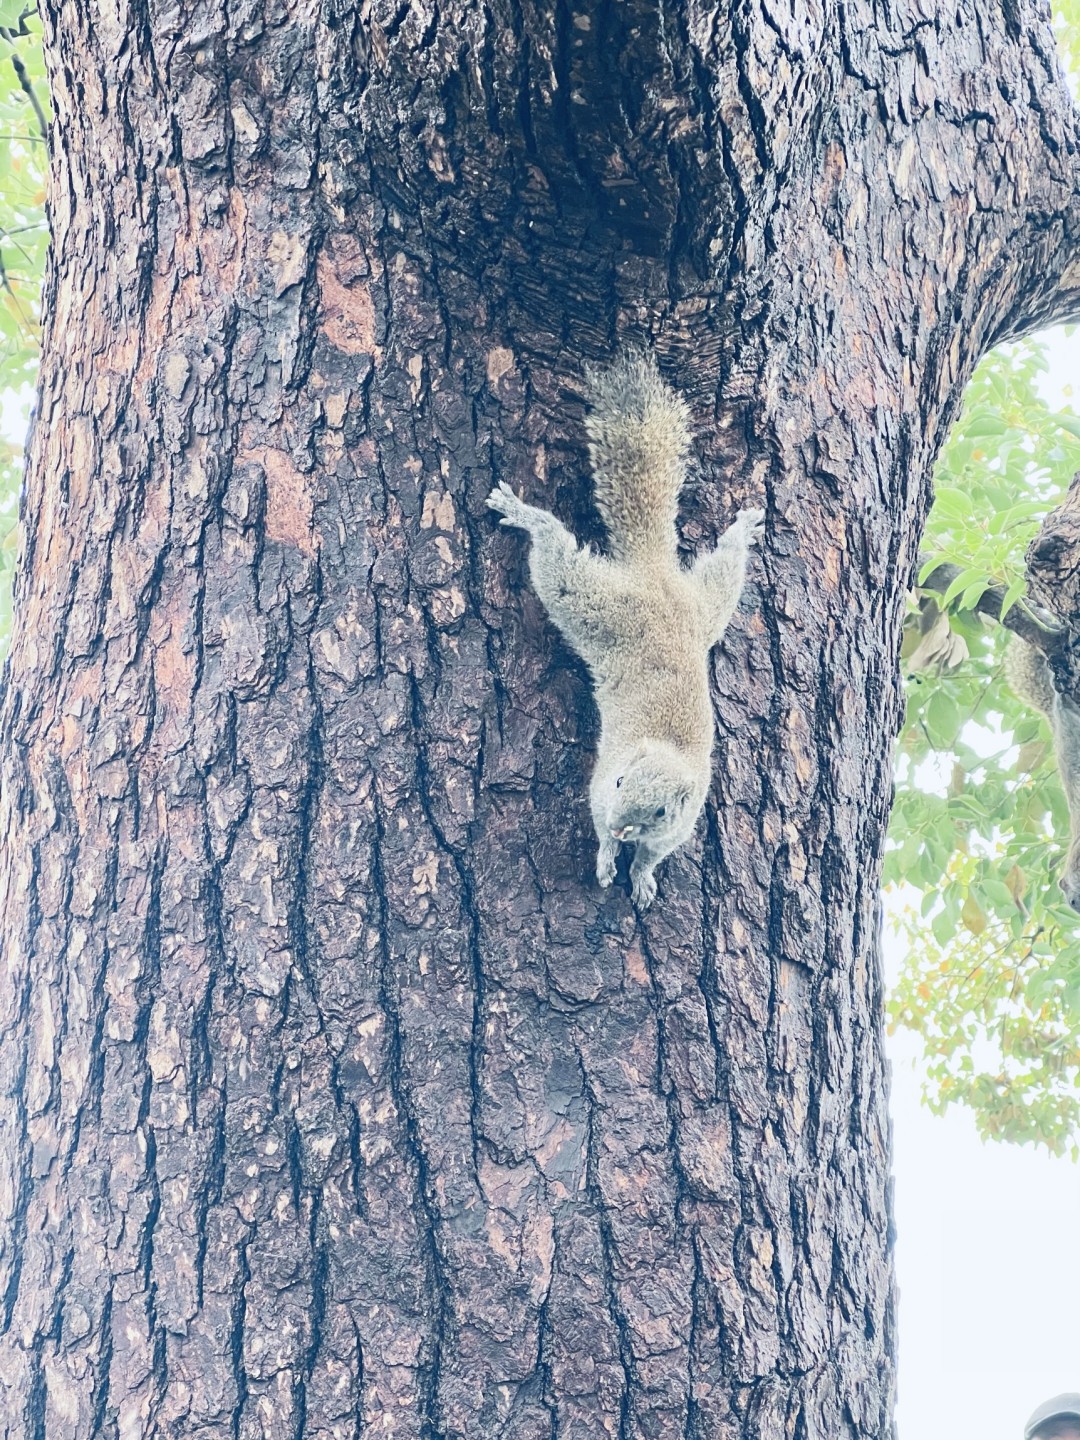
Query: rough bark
{"type": "Point", "coordinates": [339, 1102]}
{"type": "Point", "coordinates": [1053, 575]}
{"type": "Point", "coordinates": [1053, 559]}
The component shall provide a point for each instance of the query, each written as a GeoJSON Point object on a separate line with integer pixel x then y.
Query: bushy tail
{"type": "Point", "coordinates": [1028, 674]}
{"type": "Point", "coordinates": [639, 440]}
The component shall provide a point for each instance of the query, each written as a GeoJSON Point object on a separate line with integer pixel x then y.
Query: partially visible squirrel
{"type": "Point", "coordinates": [643, 624]}
{"type": "Point", "coordinates": [1030, 678]}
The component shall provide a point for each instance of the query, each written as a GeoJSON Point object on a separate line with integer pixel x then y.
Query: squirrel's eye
{"type": "Point", "coordinates": [618, 782]}
{"type": "Point", "coordinates": [661, 812]}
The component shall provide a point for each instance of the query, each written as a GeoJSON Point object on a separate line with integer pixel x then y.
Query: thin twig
{"type": "Point", "coordinates": [27, 84]}
{"type": "Point", "coordinates": [10, 235]}
{"type": "Point", "coordinates": [5, 283]}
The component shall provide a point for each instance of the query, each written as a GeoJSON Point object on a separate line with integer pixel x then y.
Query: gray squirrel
{"type": "Point", "coordinates": [641, 621]}
{"type": "Point", "coordinates": [1031, 679]}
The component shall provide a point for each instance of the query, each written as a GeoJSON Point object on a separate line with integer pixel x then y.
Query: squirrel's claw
{"type": "Point", "coordinates": [505, 503]}
{"type": "Point", "coordinates": [644, 889]}
{"type": "Point", "coordinates": [605, 865]}
{"type": "Point", "coordinates": [752, 521]}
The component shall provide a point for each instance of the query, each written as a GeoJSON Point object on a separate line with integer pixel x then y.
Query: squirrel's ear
{"type": "Point", "coordinates": [684, 795]}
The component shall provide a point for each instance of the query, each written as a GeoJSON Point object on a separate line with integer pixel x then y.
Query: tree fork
{"type": "Point", "coordinates": [340, 1101]}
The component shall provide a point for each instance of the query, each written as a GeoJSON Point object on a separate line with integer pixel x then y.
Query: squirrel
{"type": "Point", "coordinates": [641, 621]}
{"type": "Point", "coordinates": [1031, 680]}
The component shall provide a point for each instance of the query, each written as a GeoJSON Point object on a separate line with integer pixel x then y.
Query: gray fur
{"type": "Point", "coordinates": [642, 623]}
{"type": "Point", "coordinates": [1031, 679]}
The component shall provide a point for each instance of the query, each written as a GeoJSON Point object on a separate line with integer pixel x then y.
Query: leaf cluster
{"type": "Point", "coordinates": [991, 978]}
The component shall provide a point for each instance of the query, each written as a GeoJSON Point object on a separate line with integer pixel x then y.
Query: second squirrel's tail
{"type": "Point", "coordinates": [639, 440]}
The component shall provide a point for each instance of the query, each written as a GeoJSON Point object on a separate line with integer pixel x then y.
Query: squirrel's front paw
{"type": "Point", "coordinates": [510, 506]}
{"type": "Point", "coordinates": [605, 865]}
{"type": "Point", "coordinates": [752, 522]}
{"type": "Point", "coordinates": [644, 889]}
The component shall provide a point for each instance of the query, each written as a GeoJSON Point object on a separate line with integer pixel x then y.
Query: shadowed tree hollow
{"type": "Point", "coordinates": [338, 1101]}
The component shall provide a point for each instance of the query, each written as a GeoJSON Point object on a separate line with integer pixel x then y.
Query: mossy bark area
{"type": "Point", "coordinates": [338, 1100]}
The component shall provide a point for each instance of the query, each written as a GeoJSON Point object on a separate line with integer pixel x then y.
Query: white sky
{"type": "Point", "coordinates": [988, 1263]}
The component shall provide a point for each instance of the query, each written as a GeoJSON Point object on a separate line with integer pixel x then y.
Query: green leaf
{"type": "Point", "coordinates": [1012, 595]}
{"type": "Point", "coordinates": [973, 594]}
{"type": "Point", "coordinates": [972, 575]}
{"type": "Point", "coordinates": [942, 719]}
{"type": "Point", "coordinates": [985, 425]}
{"type": "Point", "coordinates": [943, 927]}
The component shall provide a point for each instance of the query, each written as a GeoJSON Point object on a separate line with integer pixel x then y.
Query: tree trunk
{"type": "Point", "coordinates": [340, 1101]}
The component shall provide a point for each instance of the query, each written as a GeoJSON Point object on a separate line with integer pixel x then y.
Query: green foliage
{"type": "Point", "coordinates": [1067, 29]}
{"type": "Point", "coordinates": [23, 164]}
{"type": "Point", "coordinates": [991, 979]}
{"type": "Point", "coordinates": [23, 242]}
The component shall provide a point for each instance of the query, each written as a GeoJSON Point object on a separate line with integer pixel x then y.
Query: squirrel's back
{"type": "Point", "coordinates": [639, 440]}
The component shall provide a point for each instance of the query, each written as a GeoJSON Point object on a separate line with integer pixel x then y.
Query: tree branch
{"type": "Point", "coordinates": [1048, 291]}
{"type": "Point", "coordinates": [1031, 622]}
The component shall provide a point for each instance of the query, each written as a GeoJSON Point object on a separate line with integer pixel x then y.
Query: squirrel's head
{"type": "Point", "coordinates": [649, 798]}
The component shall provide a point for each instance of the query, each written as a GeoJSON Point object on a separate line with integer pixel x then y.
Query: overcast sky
{"type": "Point", "coordinates": [988, 1261]}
